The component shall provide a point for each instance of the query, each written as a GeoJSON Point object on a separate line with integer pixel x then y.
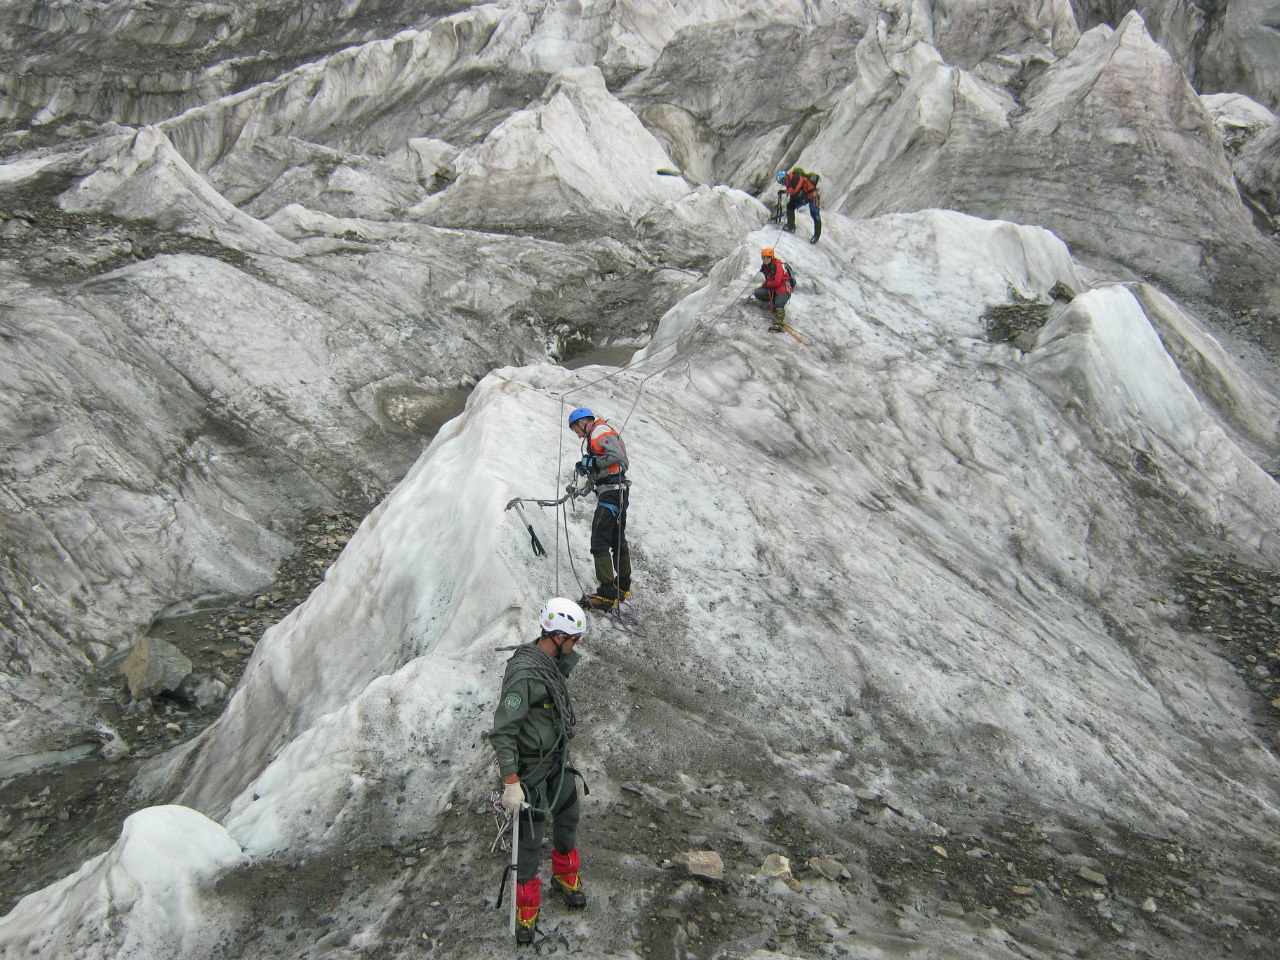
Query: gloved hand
{"type": "Point", "coordinates": [584, 466]}
{"type": "Point", "coordinates": [513, 797]}
{"type": "Point", "coordinates": [781, 194]}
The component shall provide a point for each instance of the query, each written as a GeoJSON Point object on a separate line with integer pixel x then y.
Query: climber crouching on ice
{"type": "Point", "coordinates": [777, 287]}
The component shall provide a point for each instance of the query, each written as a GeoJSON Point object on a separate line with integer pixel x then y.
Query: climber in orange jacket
{"type": "Point", "coordinates": [800, 189]}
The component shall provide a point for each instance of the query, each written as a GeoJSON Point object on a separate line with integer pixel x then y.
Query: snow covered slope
{"type": "Point", "coordinates": [904, 559]}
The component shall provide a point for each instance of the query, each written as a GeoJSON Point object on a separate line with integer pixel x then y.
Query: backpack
{"type": "Point", "coordinates": [791, 278]}
{"type": "Point", "coordinates": [813, 177]}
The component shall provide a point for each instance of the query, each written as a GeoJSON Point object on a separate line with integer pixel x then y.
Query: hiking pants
{"type": "Point", "coordinates": [794, 203]}
{"type": "Point", "coordinates": [779, 299]}
{"type": "Point", "coordinates": [558, 795]}
{"type": "Point", "coordinates": [609, 525]}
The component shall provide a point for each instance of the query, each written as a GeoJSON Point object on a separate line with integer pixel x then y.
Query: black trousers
{"type": "Point", "coordinates": [558, 796]}
{"type": "Point", "coordinates": [779, 299]}
{"type": "Point", "coordinates": [795, 203]}
{"type": "Point", "coordinates": [609, 525]}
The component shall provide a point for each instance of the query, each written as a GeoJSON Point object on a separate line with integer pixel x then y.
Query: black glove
{"type": "Point", "coordinates": [584, 466]}
{"type": "Point", "coordinates": [781, 194]}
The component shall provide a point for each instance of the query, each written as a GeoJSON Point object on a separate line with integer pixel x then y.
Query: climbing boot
{"type": "Point", "coordinates": [624, 576]}
{"type": "Point", "coordinates": [606, 595]}
{"type": "Point", "coordinates": [779, 320]}
{"type": "Point", "coordinates": [564, 873]}
{"type": "Point", "coordinates": [606, 598]}
{"type": "Point", "coordinates": [528, 900]}
{"type": "Point", "coordinates": [817, 230]}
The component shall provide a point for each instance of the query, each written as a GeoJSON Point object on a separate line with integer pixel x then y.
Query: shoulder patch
{"type": "Point", "coordinates": [512, 701]}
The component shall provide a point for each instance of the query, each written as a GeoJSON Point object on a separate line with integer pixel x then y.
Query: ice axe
{"type": "Point", "coordinates": [515, 858]}
{"type": "Point", "coordinates": [510, 872]}
{"type": "Point", "coordinates": [538, 549]}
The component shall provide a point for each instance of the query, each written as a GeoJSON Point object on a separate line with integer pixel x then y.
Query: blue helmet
{"type": "Point", "coordinates": [780, 176]}
{"type": "Point", "coordinates": [582, 413]}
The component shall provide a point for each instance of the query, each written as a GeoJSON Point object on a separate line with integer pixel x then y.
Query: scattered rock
{"type": "Point", "coordinates": [153, 666]}
{"type": "Point", "coordinates": [1060, 291]}
{"type": "Point", "coordinates": [701, 863]}
{"type": "Point", "coordinates": [775, 865]}
{"type": "Point", "coordinates": [1149, 905]}
{"type": "Point", "coordinates": [115, 750]}
{"type": "Point", "coordinates": [1091, 875]}
{"type": "Point", "coordinates": [210, 692]}
{"type": "Point", "coordinates": [831, 869]}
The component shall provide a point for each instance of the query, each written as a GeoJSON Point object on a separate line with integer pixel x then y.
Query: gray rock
{"type": "Point", "coordinates": [1093, 876]}
{"type": "Point", "coordinates": [210, 693]}
{"type": "Point", "coordinates": [701, 863]}
{"type": "Point", "coordinates": [776, 865]}
{"type": "Point", "coordinates": [831, 869]}
{"type": "Point", "coordinates": [152, 666]}
{"type": "Point", "coordinates": [115, 750]}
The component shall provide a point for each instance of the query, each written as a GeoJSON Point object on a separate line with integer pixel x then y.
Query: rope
{"type": "Point", "coordinates": [528, 659]}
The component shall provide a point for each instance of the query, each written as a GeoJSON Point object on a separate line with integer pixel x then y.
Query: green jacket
{"type": "Point", "coordinates": [527, 732]}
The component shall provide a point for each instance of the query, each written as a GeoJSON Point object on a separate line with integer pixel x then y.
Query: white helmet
{"type": "Point", "coordinates": [562, 616]}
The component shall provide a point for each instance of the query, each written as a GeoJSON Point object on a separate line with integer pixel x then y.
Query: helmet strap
{"type": "Point", "coordinates": [557, 643]}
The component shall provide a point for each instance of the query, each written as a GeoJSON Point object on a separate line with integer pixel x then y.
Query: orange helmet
{"type": "Point", "coordinates": [766, 253]}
